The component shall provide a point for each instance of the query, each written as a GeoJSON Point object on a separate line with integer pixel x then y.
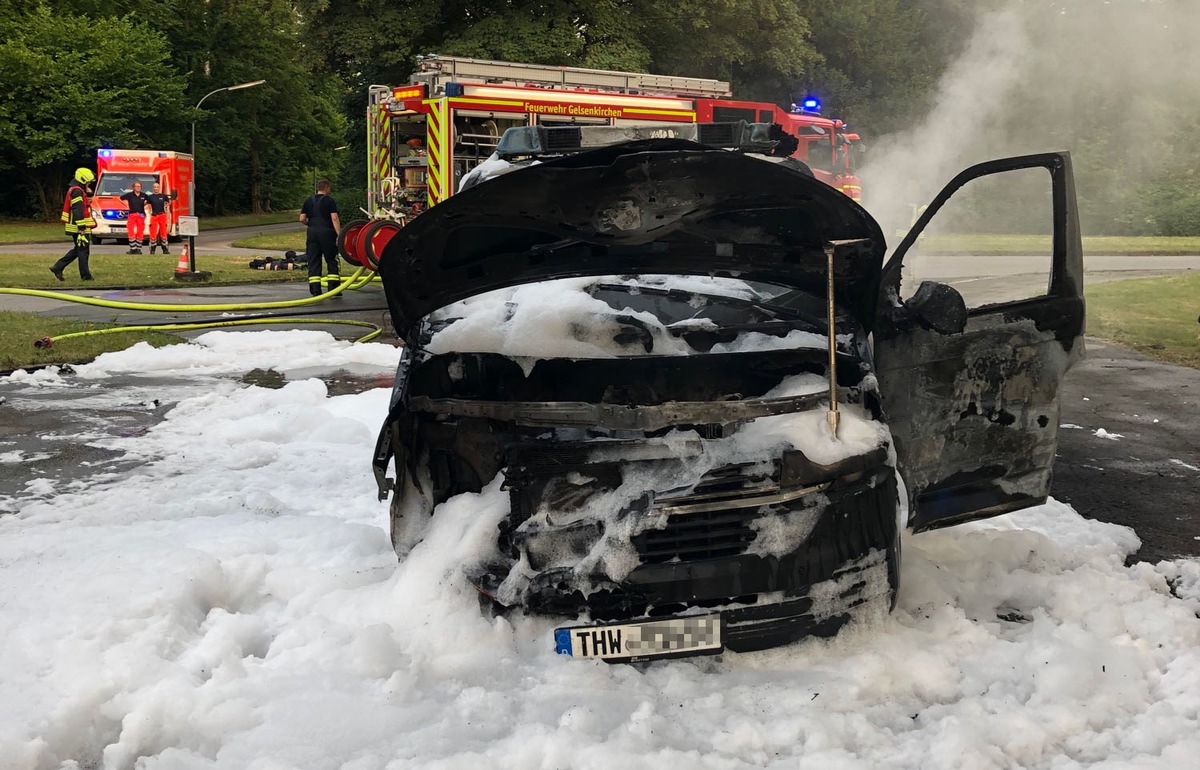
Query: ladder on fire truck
{"type": "Point", "coordinates": [436, 71]}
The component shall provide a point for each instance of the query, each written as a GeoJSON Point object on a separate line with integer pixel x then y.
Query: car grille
{"type": "Point", "coordinates": [712, 533]}
{"type": "Point", "coordinates": [694, 536]}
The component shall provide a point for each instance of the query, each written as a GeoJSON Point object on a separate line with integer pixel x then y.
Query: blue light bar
{"type": "Point", "coordinates": [811, 104]}
{"type": "Point", "coordinates": [105, 153]}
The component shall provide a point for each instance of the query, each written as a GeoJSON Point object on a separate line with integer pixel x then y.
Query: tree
{"type": "Point", "coordinates": [69, 86]}
{"type": "Point", "coordinates": [881, 58]}
{"type": "Point", "coordinates": [762, 47]}
{"type": "Point", "coordinates": [255, 148]}
{"type": "Point", "coordinates": [139, 81]}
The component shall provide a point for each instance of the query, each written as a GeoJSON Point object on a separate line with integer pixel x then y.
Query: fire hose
{"type": "Point", "coordinates": [360, 243]}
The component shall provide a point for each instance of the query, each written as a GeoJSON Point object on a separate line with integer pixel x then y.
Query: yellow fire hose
{"type": "Point", "coordinates": [46, 342]}
{"type": "Point", "coordinates": [168, 308]}
{"type": "Point", "coordinates": [361, 277]}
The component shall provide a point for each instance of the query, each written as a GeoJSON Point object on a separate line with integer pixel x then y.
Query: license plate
{"type": "Point", "coordinates": [669, 637]}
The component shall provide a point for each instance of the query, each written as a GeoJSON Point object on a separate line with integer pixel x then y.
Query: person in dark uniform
{"type": "Point", "coordinates": [160, 207]}
{"type": "Point", "coordinates": [78, 223]}
{"type": "Point", "coordinates": [320, 213]}
{"type": "Point", "coordinates": [135, 220]}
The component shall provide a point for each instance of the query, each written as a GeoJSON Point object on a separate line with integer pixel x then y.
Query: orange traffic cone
{"type": "Point", "coordinates": [185, 263]}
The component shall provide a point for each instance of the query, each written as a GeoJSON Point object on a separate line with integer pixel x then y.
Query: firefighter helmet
{"type": "Point", "coordinates": [84, 176]}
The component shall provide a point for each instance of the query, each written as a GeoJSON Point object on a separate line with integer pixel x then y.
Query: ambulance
{"type": "Point", "coordinates": [117, 170]}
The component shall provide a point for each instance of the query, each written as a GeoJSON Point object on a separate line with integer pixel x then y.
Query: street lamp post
{"type": "Point", "coordinates": [192, 191]}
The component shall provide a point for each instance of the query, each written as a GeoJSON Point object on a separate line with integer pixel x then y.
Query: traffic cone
{"type": "Point", "coordinates": [185, 264]}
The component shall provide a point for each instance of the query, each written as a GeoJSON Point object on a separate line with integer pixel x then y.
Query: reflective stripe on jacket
{"type": "Point", "coordinates": [77, 210]}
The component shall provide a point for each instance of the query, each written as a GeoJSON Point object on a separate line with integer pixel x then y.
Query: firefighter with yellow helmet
{"type": "Point", "coordinates": [78, 221]}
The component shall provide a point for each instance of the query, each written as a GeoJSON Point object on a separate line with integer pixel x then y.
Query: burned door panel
{"type": "Point", "coordinates": [974, 412]}
{"type": "Point", "coordinates": [975, 415]}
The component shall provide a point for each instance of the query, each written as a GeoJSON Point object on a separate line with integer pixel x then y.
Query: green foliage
{"type": "Point", "coordinates": [881, 58]}
{"type": "Point", "coordinates": [77, 74]}
{"type": "Point", "coordinates": [760, 46]}
{"type": "Point", "coordinates": [256, 147]}
{"type": "Point", "coordinates": [597, 34]}
{"type": "Point", "coordinates": [68, 85]}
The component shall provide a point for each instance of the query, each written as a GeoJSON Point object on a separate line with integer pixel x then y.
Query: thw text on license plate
{"type": "Point", "coordinates": [675, 637]}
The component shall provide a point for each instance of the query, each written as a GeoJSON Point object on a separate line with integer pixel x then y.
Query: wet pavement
{"type": "Point", "coordinates": [1134, 457]}
{"type": "Point", "coordinates": [64, 432]}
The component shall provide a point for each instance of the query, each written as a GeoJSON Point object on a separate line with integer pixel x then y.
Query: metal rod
{"type": "Point", "coordinates": [832, 416]}
{"type": "Point", "coordinates": [192, 192]}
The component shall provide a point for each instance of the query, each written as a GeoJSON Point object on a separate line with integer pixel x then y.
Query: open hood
{"type": "Point", "coordinates": [658, 206]}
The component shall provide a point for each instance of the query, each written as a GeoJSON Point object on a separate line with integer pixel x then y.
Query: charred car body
{"type": "Point", "coordinates": [683, 491]}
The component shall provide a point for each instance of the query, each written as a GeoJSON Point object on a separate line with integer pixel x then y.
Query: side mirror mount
{"type": "Point", "coordinates": [174, 195]}
{"type": "Point", "coordinates": [939, 307]}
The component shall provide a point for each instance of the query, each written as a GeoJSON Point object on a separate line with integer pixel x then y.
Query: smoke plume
{"type": "Point", "coordinates": [1117, 83]}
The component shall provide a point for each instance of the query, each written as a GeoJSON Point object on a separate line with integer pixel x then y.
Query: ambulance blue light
{"type": "Point", "coordinates": [811, 104]}
{"type": "Point", "coordinates": [106, 153]}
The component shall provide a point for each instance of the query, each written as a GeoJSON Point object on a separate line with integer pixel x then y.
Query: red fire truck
{"type": "Point", "coordinates": [422, 138]}
{"type": "Point", "coordinates": [117, 170]}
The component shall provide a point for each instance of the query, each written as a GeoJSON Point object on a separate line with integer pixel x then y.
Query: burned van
{"type": "Point", "coordinates": [702, 391]}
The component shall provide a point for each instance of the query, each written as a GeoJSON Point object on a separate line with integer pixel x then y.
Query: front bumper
{"type": "Point", "coordinates": [764, 600]}
{"type": "Point", "coordinates": [821, 610]}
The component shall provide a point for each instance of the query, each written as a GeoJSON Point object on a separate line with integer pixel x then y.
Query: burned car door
{"type": "Point", "coordinates": [970, 389]}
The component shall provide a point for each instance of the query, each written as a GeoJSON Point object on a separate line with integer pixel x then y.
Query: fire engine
{"type": "Point", "coordinates": [423, 137]}
{"type": "Point", "coordinates": [117, 170]}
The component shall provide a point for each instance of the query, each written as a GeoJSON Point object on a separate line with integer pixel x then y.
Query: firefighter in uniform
{"type": "Point", "coordinates": [320, 213]}
{"type": "Point", "coordinates": [160, 208]}
{"type": "Point", "coordinates": [135, 221]}
{"type": "Point", "coordinates": [78, 223]}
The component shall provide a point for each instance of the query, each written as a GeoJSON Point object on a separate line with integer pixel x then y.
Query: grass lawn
{"type": "Point", "coordinates": [112, 271]}
{"type": "Point", "coordinates": [1156, 316]}
{"type": "Point", "coordinates": [18, 331]}
{"type": "Point", "coordinates": [23, 231]}
{"type": "Point", "coordinates": [999, 245]}
{"type": "Point", "coordinates": [131, 271]}
{"type": "Point", "coordinates": [1134, 246]}
{"type": "Point", "coordinates": [278, 241]}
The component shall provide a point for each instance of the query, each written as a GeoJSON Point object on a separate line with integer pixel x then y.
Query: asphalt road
{"type": "Point", "coordinates": [1143, 470]}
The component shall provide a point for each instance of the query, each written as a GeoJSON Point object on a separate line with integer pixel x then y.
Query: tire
{"type": "Point", "coordinates": [174, 238]}
{"type": "Point", "coordinates": [893, 570]}
{"type": "Point", "coordinates": [894, 551]}
{"type": "Point", "coordinates": [97, 240]}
